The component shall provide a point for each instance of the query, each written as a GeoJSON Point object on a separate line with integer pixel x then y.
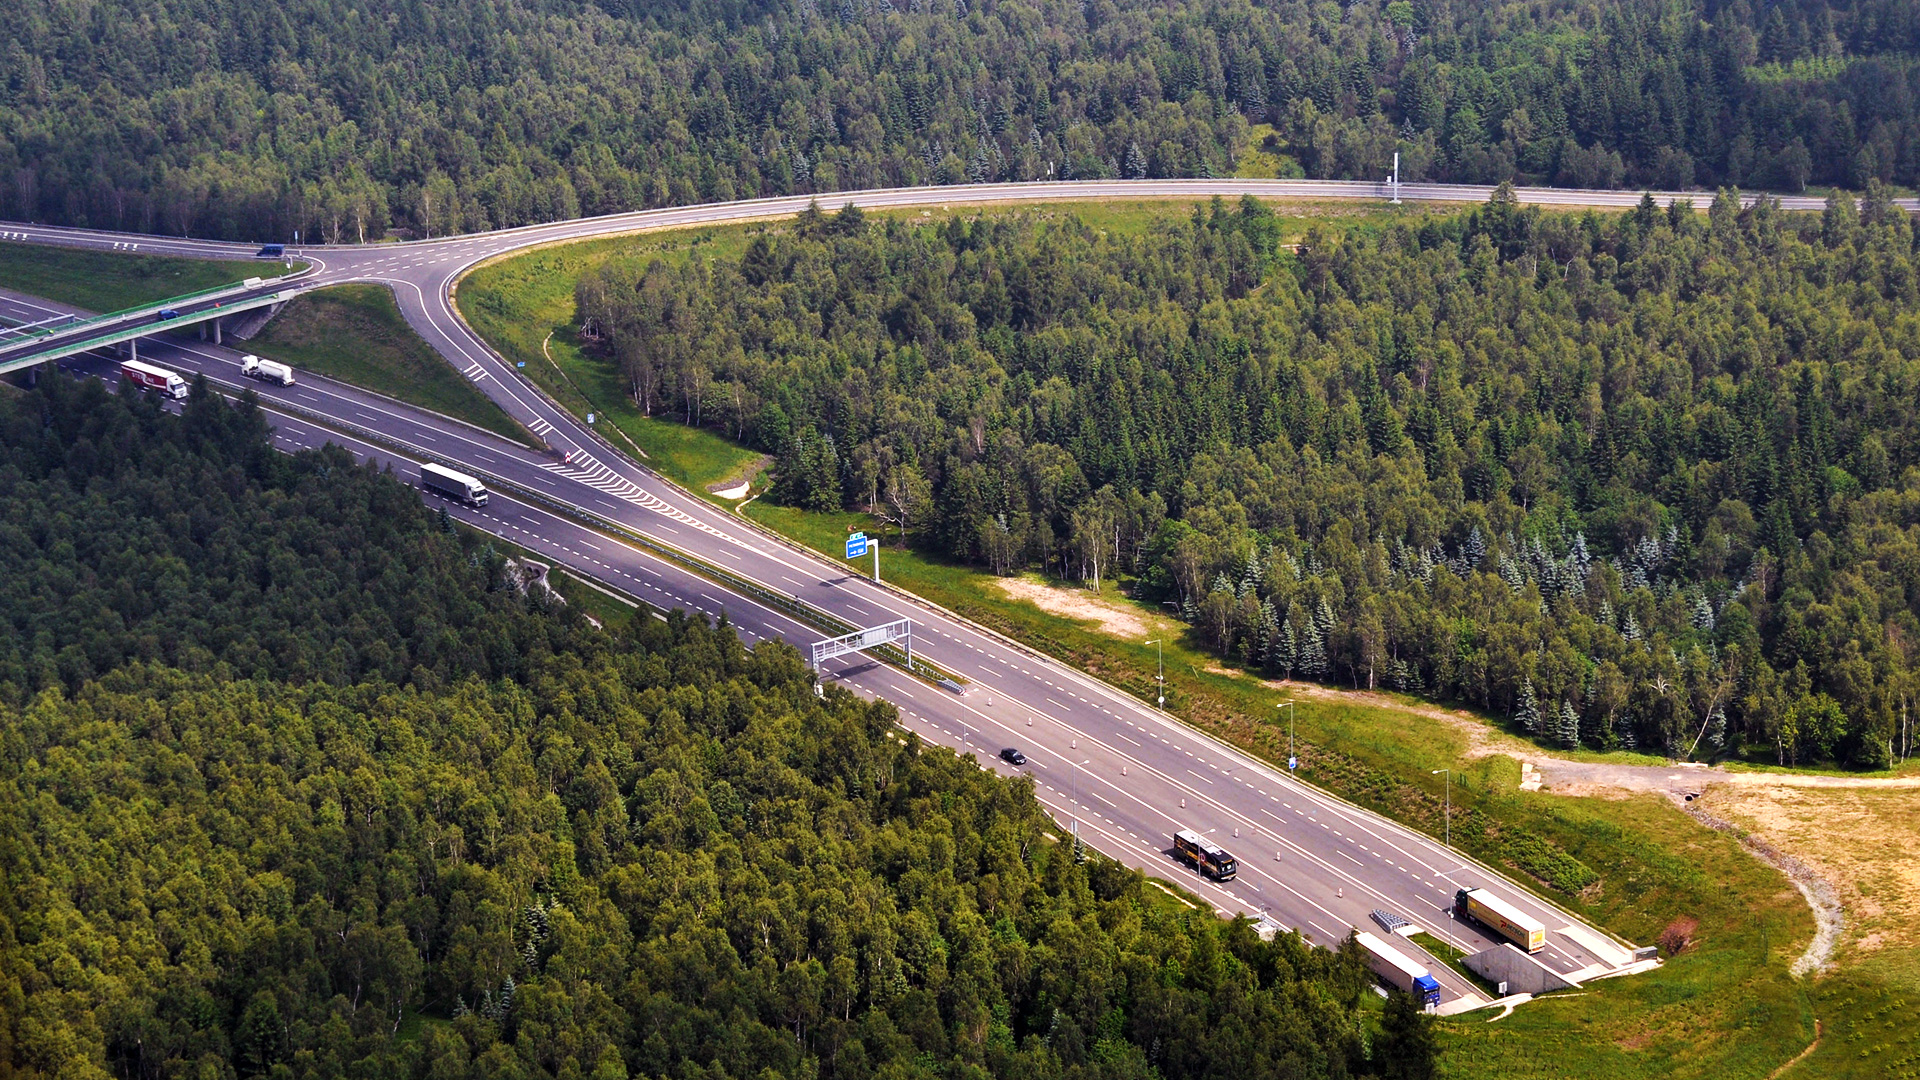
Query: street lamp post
{"type": "Point", "coordinates": [1449, 811]}
{"type": "Point", "coordinates": [1292, 761]}
{"type": "Point", "coordinates": [1161, 679]}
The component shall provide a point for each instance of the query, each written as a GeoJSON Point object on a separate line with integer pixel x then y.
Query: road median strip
{"type": "Point", "coordinates": [793, 606]}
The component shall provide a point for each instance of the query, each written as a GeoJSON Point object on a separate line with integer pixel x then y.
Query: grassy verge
{"type": "Point", "coordinates": [1861, 840]}
{"type": "Point", "coordinates": [1725, 1008]}
{"type": "Point", "coordinates": [1452, 957]}
{"type": "Point", "coordinates": [355, 333]}
{"type": "Point", "coordinates": [577, 592]}
{"type": "Point", "coordinates": [610, 610]}
{"type": "Point", "coordinates": [109, 281]}
{"type": "Point", "coordinates": [1871, 1015]}
{"type": "Point", "coordinates": [1263, 156]}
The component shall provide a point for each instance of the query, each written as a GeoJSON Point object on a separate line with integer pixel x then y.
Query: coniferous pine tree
{"type": "Point", "coordinates": [1569, 726]}
{"type": "Point", "coordinates": [1526, 711]}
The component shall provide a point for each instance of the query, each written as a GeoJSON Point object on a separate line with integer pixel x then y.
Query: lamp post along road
{"type": "Point", "coordinates": [1161, 679]}
{"type": "Point", "coordinates": [1448, 826]}
{"type": "Point", "coordinates": [1293, 763]}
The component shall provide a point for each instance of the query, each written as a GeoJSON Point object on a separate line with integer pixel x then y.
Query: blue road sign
{"type": "Point", "coordinates": [856, 545]}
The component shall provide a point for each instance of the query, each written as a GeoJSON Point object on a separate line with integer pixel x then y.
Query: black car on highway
{"type": "Point", "coordinates": [1013, 756]}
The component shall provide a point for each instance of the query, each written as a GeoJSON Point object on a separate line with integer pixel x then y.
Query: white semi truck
{"type": "Point", "coordinates": [148, 377]}
{"type": "Point", "coordinates": [453, 485]}
{"type": "Point", "coordinates": [266, 370]}
{"type": "Point", "coordinates": [1398, 969]}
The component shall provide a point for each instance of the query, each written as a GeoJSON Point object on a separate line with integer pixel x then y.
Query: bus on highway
{"type": "Point", "coordinates": [1210, 859]}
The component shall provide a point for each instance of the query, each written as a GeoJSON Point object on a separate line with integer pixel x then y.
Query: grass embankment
{"type": "Point", "coordinates": [355, 333]}
{"type": "Point", "coordinates": [105, 281]}
{"type": "Point", "coordinates": [1725, 1007]}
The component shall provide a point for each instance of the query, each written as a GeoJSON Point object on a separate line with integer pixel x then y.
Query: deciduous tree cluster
{"type": "Point", "coordinates": [133, 536]}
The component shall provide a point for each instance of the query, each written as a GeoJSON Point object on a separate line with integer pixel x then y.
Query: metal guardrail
{"type": "Point", "coordinates": [784, 603]}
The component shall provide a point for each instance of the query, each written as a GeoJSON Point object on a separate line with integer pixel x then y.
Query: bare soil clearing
{"type": "Point", "coordinates": [1114, 617]}
{"type": "Point", "coordinates": [1862, 841]}
{"type": "Point", "coordinates": [741, 482]}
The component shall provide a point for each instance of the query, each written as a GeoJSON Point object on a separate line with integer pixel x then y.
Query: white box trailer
{"type": "Point", "coordinates": [453, 485]}
{"type": "Point", "coordinates": [149, 377]}
{"type": "Point", "coordinates": [266, 370]}
{"type": "Point", "coordinates": [1399, 969]}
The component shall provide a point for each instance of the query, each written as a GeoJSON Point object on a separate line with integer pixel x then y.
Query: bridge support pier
{"type": "Point", "coordinates": [216, 330]}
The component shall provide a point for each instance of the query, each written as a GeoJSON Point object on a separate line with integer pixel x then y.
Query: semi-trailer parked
{"type": "Point", "coordinates": [266, 370]}
{"type": "Point", "coordinates": [1398, 969]}
{"type": "Point", "coordinates": [445, 482]}
{"type": "Point", "coordinates": [1208, 858]}
{"type": "Point", "coordinates": [159, 379]}
{"type": "Point", "coordinates": [1502, 918]}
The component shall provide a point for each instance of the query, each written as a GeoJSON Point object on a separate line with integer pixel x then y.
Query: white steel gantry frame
{"type": "Point", "coordinates": [860, 640]}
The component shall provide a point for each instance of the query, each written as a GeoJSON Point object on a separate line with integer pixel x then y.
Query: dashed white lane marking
{"type": "Point", "coordinates": [590, 471]}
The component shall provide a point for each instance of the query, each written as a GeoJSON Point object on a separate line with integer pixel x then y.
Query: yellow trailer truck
{"type": "Point", "coordinates": [1502, 918]}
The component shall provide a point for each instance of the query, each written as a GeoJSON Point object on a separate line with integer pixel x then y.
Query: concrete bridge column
{"type": "Point", "coordinates": [216, 331]}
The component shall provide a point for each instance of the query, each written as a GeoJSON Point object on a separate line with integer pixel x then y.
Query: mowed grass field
{"type": "Point", "coordinates": [355, 333]}
{"type": "Point", "coordinates": [1724, 1007]}
{"type": "Point", "coordinates": [1862, 840]}
{"type": "Point", "coordinates": [103, 281]}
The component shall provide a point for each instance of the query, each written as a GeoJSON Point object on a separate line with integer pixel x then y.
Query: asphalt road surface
{"type": "Point", "coordinates": [1111, 767]}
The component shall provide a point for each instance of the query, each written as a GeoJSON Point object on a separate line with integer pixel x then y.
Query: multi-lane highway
{"type": "Point", "coordinates": [1106, 764]}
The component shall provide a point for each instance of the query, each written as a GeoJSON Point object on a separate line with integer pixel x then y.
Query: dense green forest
{"type": "Point", "coordinates": [640, 852]}
{"type": "Point", "coordinates": [235, 119]}
{"type": "Point", "coordinates": [1648, 479]}
{"type": "Point", "coordinates": [134, 536]}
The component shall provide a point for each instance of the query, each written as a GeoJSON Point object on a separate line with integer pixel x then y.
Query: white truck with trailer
{"type": "Point", "coordinates": [1502, 918]}
{"type": "Point", "coordinates": [446, 483]}
{"type": "Point", "coordinates": [149, 377]}
{"type": "Point", "coordinates": [266, 370]}
{"type": "Point", "coordinates": [1395, 968]}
